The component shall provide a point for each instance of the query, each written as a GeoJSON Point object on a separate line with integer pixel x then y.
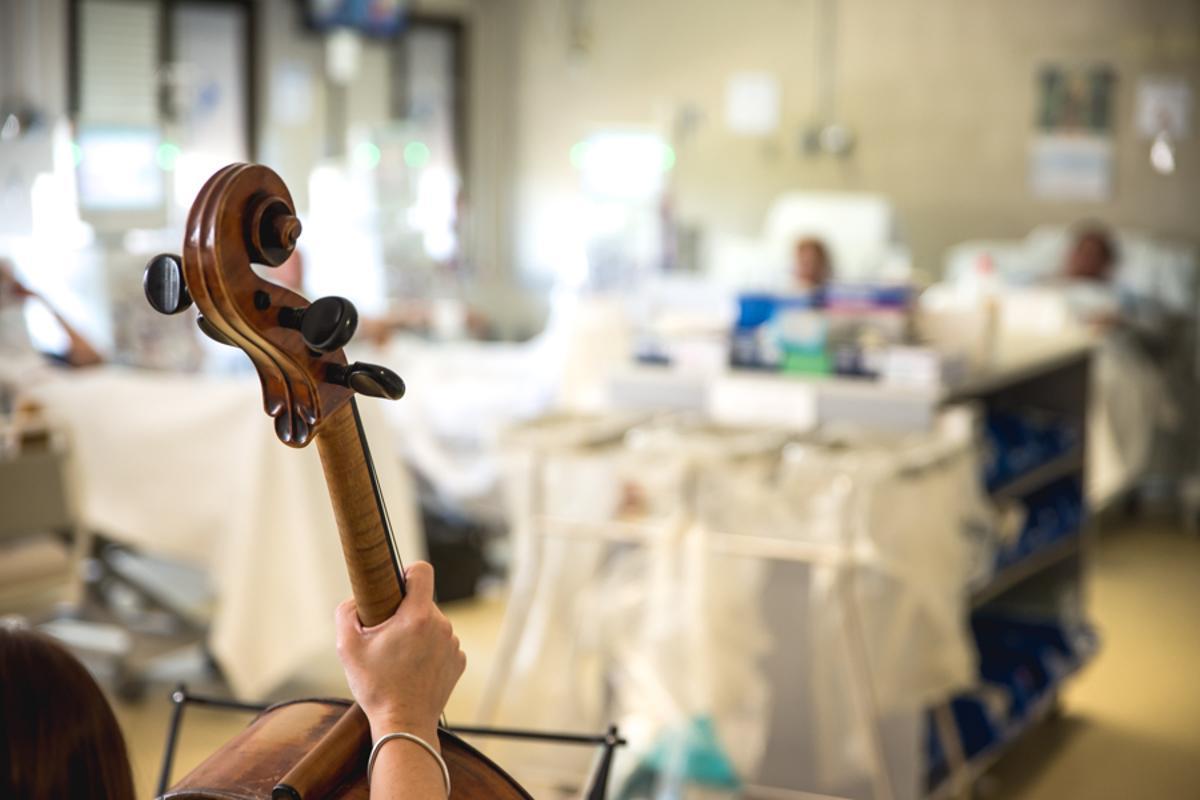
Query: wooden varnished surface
{"type": "Point", "coordinates": [220, 243]}
{"type": "Point", "coordinates": [360, 524]}
{"type": "Point", "coordinates": [250, 765]}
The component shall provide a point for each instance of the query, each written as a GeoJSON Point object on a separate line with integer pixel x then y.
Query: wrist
{"type": "Point", "coordinates": [382, 725]}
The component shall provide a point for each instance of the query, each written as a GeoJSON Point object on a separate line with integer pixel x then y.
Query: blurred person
{"type": "Point", "coordinates": [411, 315]}
{"type": "Point", "coordinates": [1093, 295]}
{"type": "Point", "coordinates": [811, 268]}
{"type": "Point", "coordinates": [1092, 257]}
{"type": "Point", "coordinates": [14, 336]}
{"type": "Point", "coordinates": [1131, 398]}
{"type": "Point", "coordinates": [447, 319]}
{"type": "Point", "coordinates": [60, 739]}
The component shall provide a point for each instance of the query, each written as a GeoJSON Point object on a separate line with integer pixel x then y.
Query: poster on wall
{"type": "Point", "coordinates": [1071, 155]}
{"type": "Point", "coordinates": [1164, 106]}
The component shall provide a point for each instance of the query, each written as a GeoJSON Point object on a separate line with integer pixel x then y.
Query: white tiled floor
{"type": "Point", "coordinates": [1131, 722]}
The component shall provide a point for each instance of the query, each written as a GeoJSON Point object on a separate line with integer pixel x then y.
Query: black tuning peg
{"type": "Point", "coordinates": [369, 379]}
{"type": "Point", "coordinates": [326, 325]}
{"type": "Point", "coordinates": [211, 332]}
{"type": "Point", "coordinates": [164, 284]}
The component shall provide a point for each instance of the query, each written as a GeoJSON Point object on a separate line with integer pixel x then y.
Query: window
{"type": "Point", "coordinates": [167, 85]}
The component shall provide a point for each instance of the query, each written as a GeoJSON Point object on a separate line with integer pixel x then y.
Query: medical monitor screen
{"type": "Point", "coordinates": [118, 169]}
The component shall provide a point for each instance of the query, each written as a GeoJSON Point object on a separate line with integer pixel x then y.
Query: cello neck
{"type": "Point", "coordinates": [375, 575]}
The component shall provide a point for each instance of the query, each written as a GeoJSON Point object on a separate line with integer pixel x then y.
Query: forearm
{"type": "Point", "coordinates": [401, 673]}
{"type": "Point", "coordinates": [80, 352]}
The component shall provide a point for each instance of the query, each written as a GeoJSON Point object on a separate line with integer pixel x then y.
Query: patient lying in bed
{"type": "Point", "coordinates": [1094, 297]}
{"type": "Point", "coordinates": [1130, 400]}
{"type": "Point", "coordinates": [1087, 297]}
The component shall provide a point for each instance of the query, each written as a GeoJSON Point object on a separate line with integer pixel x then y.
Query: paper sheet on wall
{"type": "Point", "coordinates": [752, 103]}
{"type": "Point", "coordinates": [1071, 167]}
{"type": "Point", "coordinates": [1164, 105]}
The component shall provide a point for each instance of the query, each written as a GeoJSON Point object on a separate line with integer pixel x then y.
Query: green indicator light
{"type": "Point", "coordinates": [416, 154]}
{"type": "Point", "coordinates": [367, 155]}
{"type": "Point", "coordinates": [76, 153]}
{"type": "Point", "coordinates": [578, 153]}
{"type": "Point", "coordinates": [668, 158]}
{"type": "Point", "coordinates": [166, 156]}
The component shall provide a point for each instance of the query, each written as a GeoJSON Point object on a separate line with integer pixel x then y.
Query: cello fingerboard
{"type": "Point", "coordinates": [362, 527]}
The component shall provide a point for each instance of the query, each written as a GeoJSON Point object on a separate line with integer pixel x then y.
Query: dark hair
{"type": "Point", "coordinates": [822, 252]}
{"type": "Point", "coordinates": [1097, 232]}
{"type": "Point", "coordinates": [816, 244]}
{"type": "Point", "coordinates": [58, 735]}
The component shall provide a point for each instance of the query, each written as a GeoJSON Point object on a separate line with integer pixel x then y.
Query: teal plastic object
{"type": "Point", "coordinates": [690, 755]}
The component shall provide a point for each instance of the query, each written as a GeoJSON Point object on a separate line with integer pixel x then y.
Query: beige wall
{"type": "Point", "coordinates": [941, 94]}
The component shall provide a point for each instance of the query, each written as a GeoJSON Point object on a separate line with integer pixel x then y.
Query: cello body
{"type": "Point", "coordinates": [253, 764]}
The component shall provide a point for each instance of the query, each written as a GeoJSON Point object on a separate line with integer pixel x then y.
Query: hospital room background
{"type": "Point", "coordinates": [807, 388]}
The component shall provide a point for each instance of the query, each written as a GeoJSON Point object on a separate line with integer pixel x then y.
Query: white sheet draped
{"type": "Point", "coordinates": [189, 468]}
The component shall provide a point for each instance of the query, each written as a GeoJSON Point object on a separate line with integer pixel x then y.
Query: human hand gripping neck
{"type": "Point", "coordinates": [401, 672]}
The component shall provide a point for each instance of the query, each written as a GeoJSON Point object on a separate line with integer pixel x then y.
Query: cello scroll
{"type": "Point", "coordinates": [244, 215]}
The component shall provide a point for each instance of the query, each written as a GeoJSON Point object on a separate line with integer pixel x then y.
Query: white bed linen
{"type": "Point", "coordinates": [463, 395]}
{"type": "Point", "coordinates": [459, 398]}
{"type": "Point", "coordinates": [189, 468]}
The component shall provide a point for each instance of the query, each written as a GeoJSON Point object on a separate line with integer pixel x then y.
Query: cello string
{"type": "Point", "coordinates": [380, 502]}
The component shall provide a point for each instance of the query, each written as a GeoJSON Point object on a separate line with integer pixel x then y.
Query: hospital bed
{"type": "Point", "coordinates": [860, 231]}
{"type": "Point", "coordinates": [1157, 272]}
{"type": "Point", "coordinates": [187, 469]}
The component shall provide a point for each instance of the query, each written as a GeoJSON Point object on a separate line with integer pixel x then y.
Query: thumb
{"type": "Point", "coordinates": [347, 624]}
{"type": "Point", "coordinates": [419, 582]}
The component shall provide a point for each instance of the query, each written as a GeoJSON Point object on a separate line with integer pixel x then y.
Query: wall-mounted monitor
{"type": "Point", "coordinates": [121, 180]}
{"type": "Point", "coordinates": [381, 18]}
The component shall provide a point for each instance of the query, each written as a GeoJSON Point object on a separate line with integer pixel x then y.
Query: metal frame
{"type": "Point", "coordinates": [841, 557]}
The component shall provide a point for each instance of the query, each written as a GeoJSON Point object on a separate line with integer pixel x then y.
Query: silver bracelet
{"type": "Point", "coordinates": [416, 740]}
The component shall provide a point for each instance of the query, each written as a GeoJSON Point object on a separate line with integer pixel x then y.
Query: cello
{"type": "Point", "coordinates": [243, 215]}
